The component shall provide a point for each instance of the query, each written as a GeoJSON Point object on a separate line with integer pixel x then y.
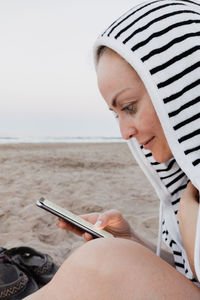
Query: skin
{"type": "Point", "coordinates": [187, 216]}
{"type": "Point", "coordinates": [125, 267]}
{"type": "Point", "coordinates": [127, 97]}
{"type": "Point", "coordinates": [116, 269]}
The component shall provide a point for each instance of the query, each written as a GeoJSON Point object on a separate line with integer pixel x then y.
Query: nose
{"type": "Point", "coordinates": [127, 129]}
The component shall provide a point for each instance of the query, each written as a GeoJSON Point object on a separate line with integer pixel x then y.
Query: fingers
{"type": "Point", "coordinates": [62, 224]}
{"type": "Point", "coordinates": [87, 237]}
{"type": "Point", "coordinates": [69, 227]}
{"type": "Point", "coordinates": [91, 218]}
{"type": "Point", "coordinates": [108, 218]}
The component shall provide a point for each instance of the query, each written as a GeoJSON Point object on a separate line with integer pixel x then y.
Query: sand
{"type": "Point", "coordinates": [81, 177]}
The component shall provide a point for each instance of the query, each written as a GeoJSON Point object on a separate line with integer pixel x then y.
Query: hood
{"type": "Point", "coordinates": [161, 41]}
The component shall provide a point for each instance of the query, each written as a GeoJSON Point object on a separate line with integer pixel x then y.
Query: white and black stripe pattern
{"type": "Point", "coordinates": [175, 180]}
{"type": "Point", "coordinates": [175, 76]}
{"type": "Point", "coordinates": [179, 260]}
{"type": "Point", "coordinates": [161, 40]}
{"type": "Point", "coordinates": [171, 176]}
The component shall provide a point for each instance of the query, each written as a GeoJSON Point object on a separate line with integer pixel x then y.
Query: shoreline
{"type": "Point", "coordinates": [41, 140]}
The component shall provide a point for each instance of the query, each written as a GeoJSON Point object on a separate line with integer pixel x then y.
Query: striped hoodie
{"type": "Point", "coordinates": [160, 39]}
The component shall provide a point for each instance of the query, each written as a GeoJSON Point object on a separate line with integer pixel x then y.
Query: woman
{"type": "Point", "coordinates": [147, 65]}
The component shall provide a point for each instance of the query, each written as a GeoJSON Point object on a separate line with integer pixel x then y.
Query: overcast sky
{"type": "Point", "coordinates": [47, 78]}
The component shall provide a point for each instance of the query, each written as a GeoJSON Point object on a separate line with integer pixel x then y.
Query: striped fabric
{"type": "Point", "coordinates": [161, 40]}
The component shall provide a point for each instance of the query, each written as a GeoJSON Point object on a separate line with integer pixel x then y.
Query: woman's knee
{"type": "Point", "coordinates": [106, 257]}
{"type": "Point", "coordinates": [117, 269]}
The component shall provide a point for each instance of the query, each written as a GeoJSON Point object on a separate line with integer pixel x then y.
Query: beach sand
{"type": "Point", "coordinates": [80, 177]}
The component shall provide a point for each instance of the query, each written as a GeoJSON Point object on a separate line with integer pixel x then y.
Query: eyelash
{"type": "Point", "coordinates": [129, 109]}
{"type": "Point", "coordinates": [115, 114]}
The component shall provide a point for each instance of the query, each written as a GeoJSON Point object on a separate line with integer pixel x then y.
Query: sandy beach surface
{"type": "Point", "coordinates": [81, 177]}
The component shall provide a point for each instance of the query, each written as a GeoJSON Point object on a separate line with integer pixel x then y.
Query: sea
{"type": "Point", "coordinates": [60, 139]}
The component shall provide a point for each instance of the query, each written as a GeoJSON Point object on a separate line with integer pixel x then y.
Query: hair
{"type": "Point", "coordinates": [102, 49]}
{"type": "Point", "coordinates": [100, 52]}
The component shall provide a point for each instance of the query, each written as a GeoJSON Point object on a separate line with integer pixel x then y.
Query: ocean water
{"type": "Point", "coordinates": [47, 139]}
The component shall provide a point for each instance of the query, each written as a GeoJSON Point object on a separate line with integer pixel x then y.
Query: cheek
{"type": "Point", "coordinates": [161, 150]}
{"type": "Point", "coordinates": [158, 128]}
{"type": "Point", "coordinates": [149, 123]}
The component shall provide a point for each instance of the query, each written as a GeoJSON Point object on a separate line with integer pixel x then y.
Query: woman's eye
{"type": "Point", "coordinates": [129, 108]}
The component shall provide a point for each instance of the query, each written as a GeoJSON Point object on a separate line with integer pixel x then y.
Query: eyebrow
{"type": "Point", "coordinates": [114, 100]}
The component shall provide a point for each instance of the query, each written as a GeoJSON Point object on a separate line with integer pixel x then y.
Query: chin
{"type": "Point", "coordinates": [162, 158]}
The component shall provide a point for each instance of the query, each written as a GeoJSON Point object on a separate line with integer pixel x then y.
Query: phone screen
{"type": "Point", "coordinates": [72, 218]}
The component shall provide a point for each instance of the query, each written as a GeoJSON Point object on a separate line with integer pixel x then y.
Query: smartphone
{"type": "Point", "coordinates": [72, 218]}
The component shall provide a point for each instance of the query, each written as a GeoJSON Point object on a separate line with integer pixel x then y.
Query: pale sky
{"type": "Point", "coordinates": [48, 82]}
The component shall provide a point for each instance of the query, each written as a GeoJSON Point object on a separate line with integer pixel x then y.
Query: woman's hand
{"type": "Point", "coordinates": [111, 221]}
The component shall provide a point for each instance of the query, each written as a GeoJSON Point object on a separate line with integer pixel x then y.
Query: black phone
{"type": "Point", "coordinates": [68, 216]}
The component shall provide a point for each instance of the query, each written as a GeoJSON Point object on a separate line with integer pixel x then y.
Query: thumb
{"type": "Point", "coordinates": [103, 220]}
{"type": "Point", "coordinates": [99, 223]}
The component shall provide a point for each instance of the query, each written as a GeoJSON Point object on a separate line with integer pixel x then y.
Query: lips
{"type": "Point", "coordinates": [148, 141]}
{"type": "Point", "coordinates": [146, 144]}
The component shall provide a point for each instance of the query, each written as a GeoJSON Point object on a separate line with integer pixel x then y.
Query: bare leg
{"type": "Point", "coordinates": [116, 269]}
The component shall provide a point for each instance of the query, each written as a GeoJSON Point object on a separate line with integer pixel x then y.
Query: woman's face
{"type": "Point", "coordinates": [127, 97]}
